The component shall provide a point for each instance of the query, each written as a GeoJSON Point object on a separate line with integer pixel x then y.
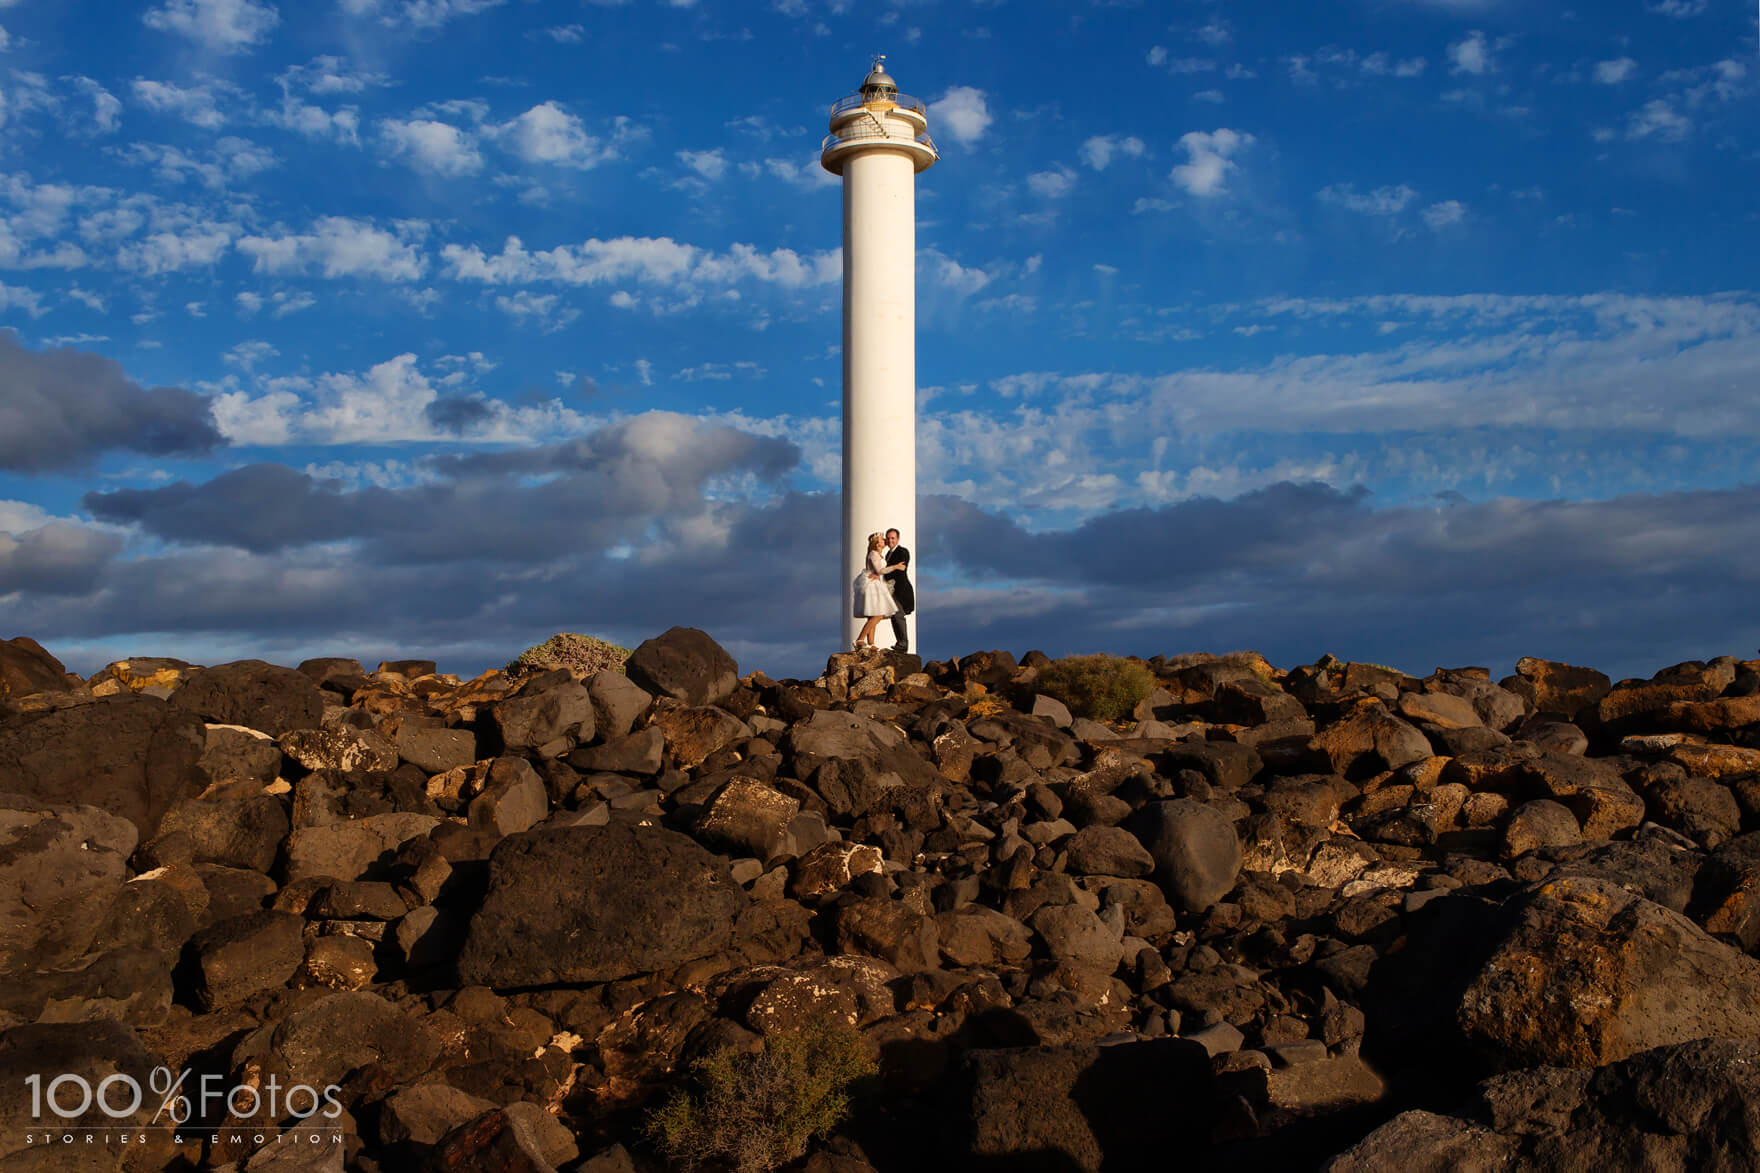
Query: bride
{"type": "Point", "coordinates": [873, 598]}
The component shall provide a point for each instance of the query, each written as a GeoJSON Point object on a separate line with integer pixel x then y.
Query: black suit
{"type": "Point", "coordinates": [903, 594]}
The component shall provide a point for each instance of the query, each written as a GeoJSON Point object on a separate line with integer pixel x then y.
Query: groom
{"type": "Point", "coordinates": [898, 561]}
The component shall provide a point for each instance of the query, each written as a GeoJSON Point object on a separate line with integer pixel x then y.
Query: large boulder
{"type": "Point", "coordinates": [92, 1051]}
{"type": "Point", "coordinates": [747, 817]}
{"type": "Point", "coordinates": [246, 955]}
{"type": "Point", "coordinates": [325, 1040]}
{"type": "Point", "coordinates": [594, 904]}
{"type": "Point", "coordinates": [352, 850]}
{"type": "Point", "coordinates": [255, 694]}
{"type": "Point", "coordinates": [236, 832]}
{"type": "Point", "coordinates": [1551, 687]}
{"type": "Point", "coordinates": [617, 702]}
{"type": "Point", "coordinates": [61, 869]}
{"type": "Point", "coordinates": [1587, 973]}
{"type": "Point", "coordinates": [1688, 1106]}
{"type": "Point", "coordinates": [685, 664]}
{"type": "Point", "coordinates": [131, 985]}
{"type": "Point", "coordinates": [341, 747]}
{"type": "Point", "coordinates": [26, 668]}
{"type": "Point", "coordinates": [130, 755]}
{"type": "Point", "coordinates": [552, 721]}
{"type": "Point", "coordinates": [1196, 851]}
{"type": "Point", "coordinates": [1087, 1107]}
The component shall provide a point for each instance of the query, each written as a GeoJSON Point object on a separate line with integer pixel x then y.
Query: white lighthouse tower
{"type": "Point", "coordinates": [878, 142]}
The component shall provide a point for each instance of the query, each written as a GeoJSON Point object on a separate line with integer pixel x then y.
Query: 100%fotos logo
{"type": "Point", "coordinates": [120, 1097]}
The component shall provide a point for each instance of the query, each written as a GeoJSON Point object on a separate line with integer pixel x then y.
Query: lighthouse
{"type": "Point", "coordinates": [879, 140]}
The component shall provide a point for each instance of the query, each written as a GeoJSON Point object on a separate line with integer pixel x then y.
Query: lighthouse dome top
{"type": "Point", "coordinates": [878, 80]}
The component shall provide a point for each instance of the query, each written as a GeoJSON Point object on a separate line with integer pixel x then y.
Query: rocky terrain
{"type": "Point", "coordinates": [1329, 916]}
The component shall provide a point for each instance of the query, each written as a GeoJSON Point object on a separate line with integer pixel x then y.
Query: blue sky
{"type": "Point", "coordinates": [1420, 331]}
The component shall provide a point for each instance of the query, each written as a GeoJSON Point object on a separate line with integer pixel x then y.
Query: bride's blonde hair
{"type": "Point", "coordinates": [876, 539]}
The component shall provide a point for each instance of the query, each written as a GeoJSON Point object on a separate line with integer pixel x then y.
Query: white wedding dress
{"type": "Point", "coordinates": [872, 595]}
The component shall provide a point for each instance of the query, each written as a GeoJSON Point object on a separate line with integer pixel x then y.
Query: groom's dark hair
{"type": "Point", "coordinates": [890, 532]}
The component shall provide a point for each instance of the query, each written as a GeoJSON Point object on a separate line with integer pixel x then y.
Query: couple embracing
{"type": "Point", "coordinates": [883, 591]}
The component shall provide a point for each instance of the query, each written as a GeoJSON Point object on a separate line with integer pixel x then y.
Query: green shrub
{"type": "Point", "coordinates": [581, 654]}
{"type": "Point", "coordinates": [753, 1112]}
{"type": "Point", "coordinates": [1104, 688]}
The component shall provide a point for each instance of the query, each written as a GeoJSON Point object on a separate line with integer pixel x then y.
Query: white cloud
{"type": "Point", "coordinates": [549, 134]}
{"type": "Point", "coordinates": [224, 26]}
{"type": "Point", "coordinates": [1098, 152]}
{"type": "Point", "coordinates": [338, 247]}
{"type": "Point", "coordinates": [649, 260]}
{"type": "Point", "coordinates": [1679, 9]}
{"type": "Point", "coordinates": [949, 274]}
{"type": "Point", "coordinates": [1053, 184]}
{"type": "Point", "coordinates": [1209, 159]}
{"type": "Point", "coordinates": [1440, 215]}
{"type": "Point", "coordinates": [1383, 201]}
{"type": "Point", "coordinates": [106, 107]}
{"type": "Point", "coordinates": [964, 113]}
{"type": "Point", "coordinates": [420, 15]}
{"type": "Point", "coordinates": [708, 164]}
{"type": "Point", "coordinates": [806, 176]}
{"type": "Point", "coordinates": [314, 121]}
{"type": "Point", "coordinates": [16, 297]}
{"type": "Point", "coordinates": [1611, 73]}
{"type": "Point", "coordinates": [197, 105]}
{"type": "Point", "coordinates": [329, 75]}
{"type": "Point", "coordinates": [228, 159]}
{"type": "Point", "coordinates": [388, 404]}
{"type": "Point", "coordinates": [566, 34]}
{"type": "Point", "coordinates": [538, 308]}
{"type": "Point", "coordinates": [1216, 32]}
{"type": "Point", "coordinates": [249, 353]}
{"type": "Point", "coordinates": [1472, 54]}
{"type": "Point", "coordinates": [170, 251]}
{"type": "Point", "coordinates": [436, 147]}
{"type": "Point", "coordinates": [1659, 120]}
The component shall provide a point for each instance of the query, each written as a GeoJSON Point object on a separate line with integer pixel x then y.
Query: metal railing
{"type": "Point", "coordinates": [902, 101]}
{"type": "Point", "coordinates": [856, 134]}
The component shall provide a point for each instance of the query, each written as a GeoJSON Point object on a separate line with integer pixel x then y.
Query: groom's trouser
{"type": "Point", "coordinates": [901, 633]}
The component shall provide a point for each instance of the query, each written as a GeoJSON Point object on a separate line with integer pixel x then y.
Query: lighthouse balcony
{"type": "Point", "coordinates": [903, 102]}
{"type": "Point", "coordinates": [835, 148]}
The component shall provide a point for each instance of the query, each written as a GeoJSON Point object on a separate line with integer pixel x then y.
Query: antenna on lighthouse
{"type": "Point", "coordinates": [878, 143]}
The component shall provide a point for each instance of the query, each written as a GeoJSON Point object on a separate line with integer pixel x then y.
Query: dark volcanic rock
{"type": "Point", "coordinates": [1108, 851]}
{"type": "Point", "coordinates": [552, 721]}
{"type": "Point", "coordinates": [1196, 851]}
{"type": "Point", "coordinates": [254, 694]}
{"type": "Point", "coordinates": [339, 748]}
{"type": "Point", "coordinates": [130, 985]}
{"type": "Point", "coordinates": [26, 668]}
{"type": "Point", "coordinates": [1587, 973]}
{"type": "Point", "coordinates": [684, 664]}
{"type": "Point", "coordinates": [1087, 1108]}
{"type": "Point", "coordinates": [61, 869]}
{"type": "Point", "coordinates": [236, 832]}
{"type": "Point", "coordinates": [92, 1051]}
{"type": "Point", "coordinates": [354, 849]}
{"type": "Point", "coordinates": [1687, 1106]}
{"type": "Point", "coordinates": [246, 955]}
{"type": "Point", "coordinates": [1550, 687]}
{"type": "Point", "coordinates": [323, 1041]}
{"type": "Point", "coordinates": [130, 755]}
{"type": "Point", "coordinates": [588, 904]}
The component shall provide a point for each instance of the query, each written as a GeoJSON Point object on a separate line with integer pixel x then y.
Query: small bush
{"type": "Point", "coordinates": [751, 1113]}
{"type": "Point", "coordinates": [1104, 688]}
{"type": "Point", "coordinates": [581, 654]}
